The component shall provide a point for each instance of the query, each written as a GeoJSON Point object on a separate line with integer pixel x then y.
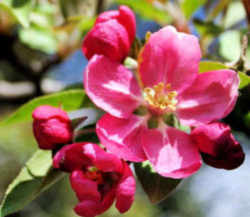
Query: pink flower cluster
{"type": "Point", "coordinates": [97, 177]}
{"type": "Point", "coordinates": [146, 111]}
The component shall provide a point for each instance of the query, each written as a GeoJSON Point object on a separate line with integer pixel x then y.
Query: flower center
{"type": "Point", "coordinates": [161, 97]}
{"type": "Point", "coordinates": [94, 174]}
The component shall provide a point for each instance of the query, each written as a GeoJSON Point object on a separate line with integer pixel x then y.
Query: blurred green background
{"type": "Point", "coordinates": [40, 54]}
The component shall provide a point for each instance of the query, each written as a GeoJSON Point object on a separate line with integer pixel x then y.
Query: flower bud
{"type": "Point", "coordinates": [51, 127]}
{"type": "Point", "coordinates": [98, 178]}
{"type": "Point", "coordinates": [217, 145]}
{"type": "Point", "coordinates": [112, 35]}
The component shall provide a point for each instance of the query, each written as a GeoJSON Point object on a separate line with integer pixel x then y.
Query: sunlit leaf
{"type": "Point", "coordinates": [244, 80]}
{"type": "Point", "coordinates": [206, 66]}
{"type": "Point", "coordinates": [20, 9]}
{"type": "Point", "coordinates": [230, 45]}
{"type": "Point", "coordinates": [190, 6]}
{"type": "Point", "coordinates": [147, 10]}
{"type": "Point", "coordinates": [36, 176]}
{"type": "Point", "coordinates": [155, 186]}
{"type": "Point", "coordinates": [68, 100]}
{"type": "Point", "coordinates": [235, 13]}
{"type": "Point", "coordinates": [42, 39]}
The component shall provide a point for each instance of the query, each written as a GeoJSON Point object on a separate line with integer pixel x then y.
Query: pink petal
{"type": "Point", "coordinates": [122, 137]}
{"type": "Point", "coordinates": [124, 16]}
{"type": "Point", "coordinates": [170, 57]}
{"type": "Point", "coordinates": [127, 19]}
{"type": "Point", "coordinates": [46, 112]}
{"type": "Point", "coordinates": [108, 199]}
{"type": "Point", "coordinates": [209, 137]}
{"type": "Point", "coordinates": [88, 208]}
{"type": "Point", "coordinates": [104, 161]}
{"type": "Point", "coordinates": [71, 157]}
{"type": "Point", "coordinates": [108, 38]}
{"type": "Point", "coordinates": [212, 96]}
{"type": "Point", "coordinates": [84, 188]}
{"type": "Point", "coordinates": [172, 152]}
{"type": "Point", "coordinates": [125, 190]}
{"type": "Point", "coordinates": [111, 86]}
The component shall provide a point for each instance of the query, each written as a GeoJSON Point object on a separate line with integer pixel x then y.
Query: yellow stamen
{"type": "Point", "coordinates": [160, 96]}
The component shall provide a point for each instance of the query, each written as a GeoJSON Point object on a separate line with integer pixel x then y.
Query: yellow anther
{"type": "Point", "coordinates": [147, 36]}
{"type": "Point", "coordinates": [160, 96]}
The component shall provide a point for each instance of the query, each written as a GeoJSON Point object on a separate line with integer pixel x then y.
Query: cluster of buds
{"type": "Point", "coordinates": [144, 114]}
{"type": "Point", "coordinates": [97, 177]}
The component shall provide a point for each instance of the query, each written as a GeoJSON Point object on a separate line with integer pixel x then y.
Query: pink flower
{"type": "Point", "coordinates": [218, 146]}
{"type": "Point", "coordinates": [97, 177]}
{"type": "Point", "coordinates": [112, 34]}
{"type": "Point", "coordinates": [51, 127]}
{"type": "Point", "coordinates": [145, 109]}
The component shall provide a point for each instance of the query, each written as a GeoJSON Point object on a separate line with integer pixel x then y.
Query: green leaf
{"type": "Point", "coordinates": [247, 120]}
{"type": "Point", "coordinates": [230, 45]}
{"type": "Point", "coordinates": [20, 9]}
{"type": "Point", "coordinates": [68, 100]}
{"type": "Point", "coordinates": [36, 176]}
{"type": "Point", "coordinates": [190, 6]}
{"type": "Point", "coordinates": [156, 187]}
{"type": "Point", "coordinates": [39, 38]}
{"type": "Point", "coordinates": [244, 80]}
{"type": "Point", "coordinates": [206, 66]}
{"type": "Point", "coordinates": [147, 10]}
{"type": "Point", "coordinates": [235, 13]}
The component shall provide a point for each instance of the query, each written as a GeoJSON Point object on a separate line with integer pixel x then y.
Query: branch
{"type": "Point", "coordinates": [246, 4]}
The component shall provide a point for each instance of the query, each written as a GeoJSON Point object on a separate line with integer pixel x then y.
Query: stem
{"type": "Point", "coordinates": [246, 4]}
{"type": "Point", "coordinates": [99, 6]}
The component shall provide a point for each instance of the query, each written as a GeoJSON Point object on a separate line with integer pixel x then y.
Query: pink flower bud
{"type": "Point", "coordinates": [218, 146]}
{"type": "Point", "coordinates": [97, 177]}
{"type": "Point", "coordinates": [112, 35]}
{"type": "Point", "coordinates": [51, 127]}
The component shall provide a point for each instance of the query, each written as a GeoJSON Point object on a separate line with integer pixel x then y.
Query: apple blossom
{"type": "Point", "coordinates": [112, 34]}
{"type": "Point", "coordinates": [51, 127]}
{"type": "Point", "coordinates": [218, 146]}
{"type": "Point", "coordinates": [97, 177]}
{"type": "Point", "coordinates": [146, 109]}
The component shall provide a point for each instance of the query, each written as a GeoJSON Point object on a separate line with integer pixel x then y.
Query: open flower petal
{"type": "Point", "coordinates": [90, 189]}
{"type": "Point", "coordinates": [71, 158]}
{"type": "Point", "coordinates": [111, 86]}
{"type": "Point", "coordinates": [122, 137]}
{"type": "Point", "coordinates": [212, 96]}
{"type": "Point", "coordinates": [104, 161]}
{"type": "Point", "coordinates": [170, 57]}
{"type": "Point", "coordinates": [88, 208]}
{"type": "Point", "coordinates": [126, 190]}
{"type": "Point", "coordinates": [172, 152]}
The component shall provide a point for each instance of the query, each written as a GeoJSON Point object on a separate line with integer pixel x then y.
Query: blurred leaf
{"type": "Point", "coordinates": [247, 120]}
{"type": "Point", "coordinates": [68, 100]}
{"type": "Point", "coordinates": [156, 187]}
{"type": "Point", "coordinates": [207, 28]}
{"type": "Point", "coordinates": [147, 10]}
{"type": "Point", "coordinates": [190, 6]}
{"type": "Point", "coordinates": [35, 177]}
{"type": "Point", "coordinates": [235, 13]}
{"type": "Point", "coordinates": [42, 39]}
{"type": "Point", "coordinates": [244, 80]}
{"type": "Point", "coordinates": [20, 9]}
{"type": "Point", "coordinates": [221, 5]}
{"type": "Point", "coordinates": [86, 24]}
{"type": "Point", "coordinates": [230, 45]}
{"type": "Point", "coordinates": [206, 66]}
